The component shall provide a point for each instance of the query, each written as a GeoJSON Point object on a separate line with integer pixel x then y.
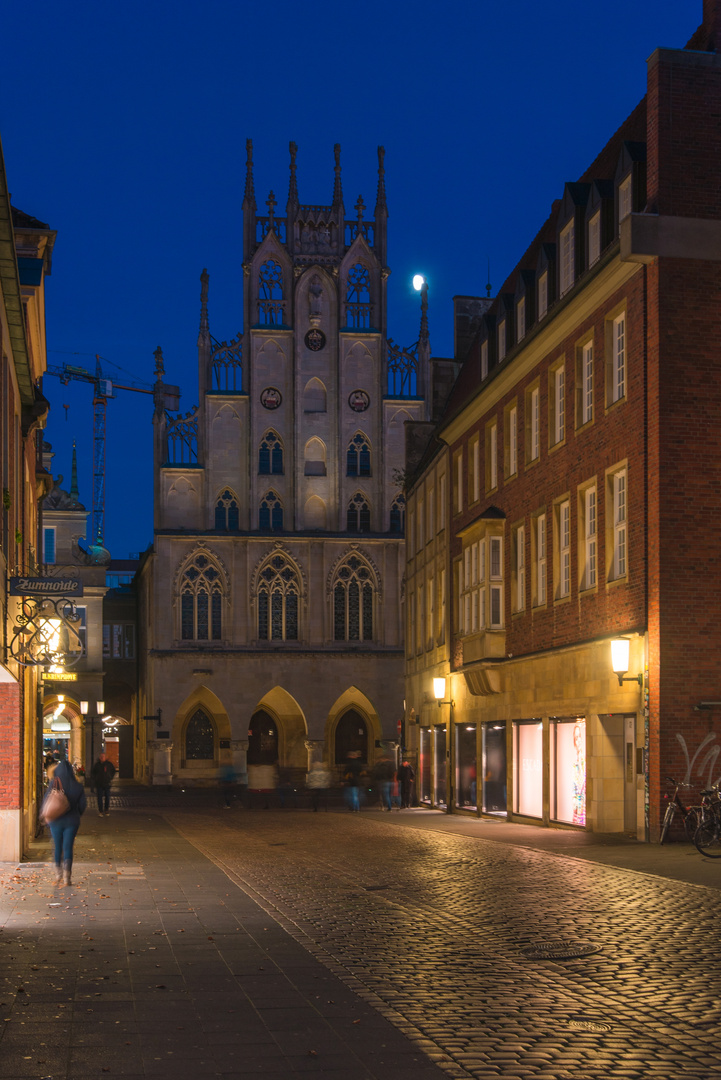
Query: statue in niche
{"type": "Point", "coordinates": [315, 296]}
{"type": "Point", "coordinates": [324, 238]}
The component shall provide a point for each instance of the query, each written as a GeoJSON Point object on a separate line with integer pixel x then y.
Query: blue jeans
{"type": "Point", "coordinates": [385, 793]}
{"type": "Point", "coordinates": [352, 795]}
{"type": "Point", "coordinates": [63, 832]}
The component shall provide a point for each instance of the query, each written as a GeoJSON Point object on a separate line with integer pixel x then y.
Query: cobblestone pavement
{"type": "Point", "coordinates": [452, 938]}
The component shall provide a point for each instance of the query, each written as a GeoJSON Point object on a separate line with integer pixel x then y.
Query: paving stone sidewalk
{"type": "Point", "coordinates": [155, 964]}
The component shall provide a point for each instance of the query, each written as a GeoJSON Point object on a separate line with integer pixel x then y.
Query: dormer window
{"type": "Point", "coordinates": [630, 180]}
{"type": "Point", "coordinates": [567, 259]}
{"type": "Point", "coordinates": [501, 340]}
{"type": "Point", "coordinates": [484, 359]}
{"type": "Point", "coordinates": [594, 238]}
{"type": "Point", "coordinates": [542, 295]}
{"type": "Point", "coordinates": [521, 318]}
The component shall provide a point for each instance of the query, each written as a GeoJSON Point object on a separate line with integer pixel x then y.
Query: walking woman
{"type": "Point", "coordinates": [63, 829]}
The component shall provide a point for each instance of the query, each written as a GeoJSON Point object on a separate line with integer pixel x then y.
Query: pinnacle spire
{"type": "Point", "coordinates": [424, 340]}
{"type": "Point", "coordinates": [293, 185]}
{"type": "Point", "coordinates": [249, 194]}
{"type": "Point", "coordinates": [337, 186]}
{"type": "Point", "coordinates": [381, 195]}
{"type": "Point", "coordinates": [74, 493]}
{"type": "Point", "coordinates": [204, 325]}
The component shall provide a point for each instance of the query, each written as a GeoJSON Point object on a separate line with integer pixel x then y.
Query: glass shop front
{"type": "Point", "coordinates": [567, 769]}
{"type": "Point", "coordinates": [424, 787]}
{"type": "Point", "coordinates": [466, 781]}
{"type": "Point", "coordinates": [493, 757]}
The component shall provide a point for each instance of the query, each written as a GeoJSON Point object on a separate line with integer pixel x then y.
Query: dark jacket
{"type": "Point", "coordinates": [74, 791]}
{"type": "Point", "coordinates": [102, 773]}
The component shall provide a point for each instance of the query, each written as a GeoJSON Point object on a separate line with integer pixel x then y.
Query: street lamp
{"type": "Point", "coordinates": [100, 705]}
{"type": "Point", "coordinates": [439, 689]}
{"type": "Point", "coordinates": [620, 651]}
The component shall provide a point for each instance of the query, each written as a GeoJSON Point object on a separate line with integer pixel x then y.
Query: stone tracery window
{"type": "Point", "coordinates": [199, 737]}
{"type": "Point", "coordinates": [353, 599]}
{"type": "Point", "coordinates": [358, 294]}
{"type": "Point", "coordinates": [270, 294]}
{"type": "Point", "coordinates": [358, 456]}
{"type": "Point", "coordinates": [270, 455]}
{"type": "Point", "coordinates": [278, 592]}
{"type": "Point", "coordinates": [398, 514]}
{"type": "Point", "coordinates": [201, 599]}
{"type": "Point", "coordinates": [270, 515]}
{"type": "Point", "coordinates": [227, 513]}
{"type": "Point", "coordinates": [358, 514]}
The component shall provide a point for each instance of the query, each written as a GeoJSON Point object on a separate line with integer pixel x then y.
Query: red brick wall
{"type": "Point", "coordinates": [11, 768]}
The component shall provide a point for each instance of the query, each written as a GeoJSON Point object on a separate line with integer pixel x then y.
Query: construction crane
{"type": "Point", "coordinates": [103, 390]}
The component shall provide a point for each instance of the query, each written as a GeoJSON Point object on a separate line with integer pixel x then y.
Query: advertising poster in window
{"type": "Point", "coordinates": [569, 771]}
{"type": "Point", "coordinates": [528, 768]}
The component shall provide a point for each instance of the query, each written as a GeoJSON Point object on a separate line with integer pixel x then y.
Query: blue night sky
{"type": "Point", "coordinates": [124, 128]}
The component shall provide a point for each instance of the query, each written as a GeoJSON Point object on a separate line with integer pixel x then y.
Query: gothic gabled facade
{"type": "Point", "coordinates": [272, 597]}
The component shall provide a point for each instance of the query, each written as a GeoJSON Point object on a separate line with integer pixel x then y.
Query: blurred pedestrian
{"type": "Point", "coordinates": [352, 779]}
{"type": "Point", "coordinates": [318, 782]}
{"type": "Point", "coordinates": [63, 829]}
{"type": "Point", "coordinates": [384, 773]}
{"type": "Point", "coordinates": [406, 776]}
{"type": "Point", "coordinates": [101, 778]}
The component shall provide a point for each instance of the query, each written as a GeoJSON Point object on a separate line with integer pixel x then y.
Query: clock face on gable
{"type": "Point", "coordinates": [359, 401]}
{"type": "Point", "coordinates": [315, 340]}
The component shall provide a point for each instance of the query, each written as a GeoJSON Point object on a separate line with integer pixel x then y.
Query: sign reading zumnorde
{"type": "Point", "coordinates": [45, 586]}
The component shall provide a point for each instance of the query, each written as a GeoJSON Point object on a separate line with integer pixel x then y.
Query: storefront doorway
{"type": "Point", "coordinates": [439, 764]}
{"type": "Point", "coordinates": [493, 763]}
{"type": "Point", "coordinates": [568, 770]}
{"type": "Point", "coordinates": [528, 768]}
{"type": "Point", "coordinates": [466, 779]}
{"type": "Point", "coordinates": [424, 789]}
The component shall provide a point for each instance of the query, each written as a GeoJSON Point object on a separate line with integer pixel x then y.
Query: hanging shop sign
{"type": "Point", "coordinates": [39, 586]}
{"type": "Point", "coordinates": [59, 676]}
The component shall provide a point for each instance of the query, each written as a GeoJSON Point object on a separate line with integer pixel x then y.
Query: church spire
{"type": "Point", "coordinates": [204, 325]}
{"type": "Point", "coordinates": [337, 186]}
{"type": "Point", "coordinates": [293, 186]}
{"type": "Point", "coordinates": [74, 493]}
{"type": "Point", "coordinates": [424, 340]}
{"type": "Point", "coordinates": [249, 194]}
{"type": "Point", "coordinates": [381, 206]}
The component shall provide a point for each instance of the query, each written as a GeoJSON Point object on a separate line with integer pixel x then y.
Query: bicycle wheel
{"type": "Point", "coordinates": [692, 821]}
{"type": "Point", "coordinates": [667, 819]}
{"type": "Point", "coordinates": [708, 838]}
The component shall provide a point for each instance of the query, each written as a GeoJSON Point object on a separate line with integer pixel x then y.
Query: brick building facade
{"type": "Point", "coordinates": [575, 489]}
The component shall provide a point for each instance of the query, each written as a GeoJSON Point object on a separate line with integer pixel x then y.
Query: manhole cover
{"type": "Point", "coordinates": [559, 950]}
{"type": "Point", "coordinates": [597, 1026]}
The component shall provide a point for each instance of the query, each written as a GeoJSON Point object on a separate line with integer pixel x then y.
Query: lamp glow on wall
{"type": "Point", "coordinates": [439, 689]}
{"type": "Point", "coordinates": [620, 652]}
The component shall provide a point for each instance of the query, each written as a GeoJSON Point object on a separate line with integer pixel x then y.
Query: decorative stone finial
{"type": "Point", "coordinates": [381, 195]}
{"type": "Point", "coordinates": [359, 208]}
{"type": "Point", "coordinates": [204, 279]}
{"type": "Point", "coordinates": [337, 186]}
{"type": "Point", "coordinates": [249, 195]}
{"type": "Point", "coordinates": [293, 186]}
{"type": "Point", "coordinates": [271, 204]}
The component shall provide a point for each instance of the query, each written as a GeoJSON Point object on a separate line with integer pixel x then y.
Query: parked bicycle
{"type": "Point", "coordinates": [707, 837]}
{"type": "Point", "coordinates": [692, 815]}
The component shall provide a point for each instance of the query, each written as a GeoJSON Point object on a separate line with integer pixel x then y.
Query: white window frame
{"type": "Point", "coordinates": [587, 383]}
{"type": "Point", "coordinates": [493, 444]}
{"type": "Point", "coordinates": [513, 440]}
{"type": "Point", "coordinates": [559, 404]}
{"type": "Point", "coordinates": [620, 524]}
{"type": "Point", "coordinates": [520, 568]}
{"type": "Point", "coordinates": [484, 359]}
{"type": "Point", "coordinates": [459, 483]}
{"type": "Point", "coordinates": [535, 424]}
{"type": "Point", "coordinates": [567, 268]}
{"type": "Point", "coordinates": [542, 295]}
{"type": "Point", "coordinates": [501, 340]}
{"type": "Point", "coordinates": [594, 238]}
{"type": "Point", "coordinates": [495, 574]}
{"type": "Point", "coordinates": [430, 608]}
{"type": "Point", "coordinates": [521, 318]}
{"type": "Point", "coordinates": [541, 559]}
{"type": "Point", "coordinates": [618, 357]}
{"type": "Point", "coordinates": [590, 526]}
{"type": "Point", "coordinates": [421, 521]}
{"type": "Point", "coordinates": [441, 502]}
{"type": "Point", "coordinates": [431, 515]}
{"type": "Point", "coordinates": [564, 549]}
{"type": "Point", "coordinates": [442, 631]}
{"type": "Point", "coordinates": [476, 470]}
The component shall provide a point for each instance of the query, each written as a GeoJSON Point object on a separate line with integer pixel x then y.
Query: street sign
{"type": "Point", "coordinates": [42, 586]}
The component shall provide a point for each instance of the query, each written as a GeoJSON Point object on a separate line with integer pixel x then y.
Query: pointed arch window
{"type": "Point", "coordinates": [201, 600]}
{"type": "Point", "coordinates": [199, 737]}
{"type": "Point", "coordinates": [270, 294]}
{"type": "Point", "coordinates": [278, 592]}
{"type": "Point", "coordinates": [270, 515]}
{"type": "Point", "coordinates": [270, 455]}
{"type": "Point", "coordinates": [358, 295]}
{"type": "Point", "coordinates": [398, 514]}
{"type": "Point", "coordinates": [353, 601]}
{"type": "Point", "coordinates": [358, 456]}
{"type": "Point", "coordinates": [315, 397]}
{"type": "Point", "coordinates": [227, 513]}
{"type": "Point", "coordinates": [358, 516]}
